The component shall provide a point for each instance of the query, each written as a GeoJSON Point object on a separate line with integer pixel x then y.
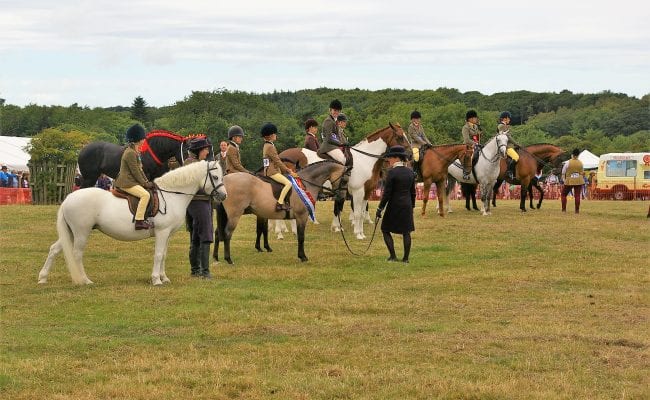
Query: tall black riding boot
{"type": "Point", "coordinates": [388, 239]}
{"type": "Point", "coordinates": [204, 256]}
{"type": "Point", "coordinates": [195, 263]}
{"type": "Point", "coordinates": [512, 164]}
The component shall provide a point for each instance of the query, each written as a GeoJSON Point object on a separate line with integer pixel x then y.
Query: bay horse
{"type": "Point", "coordinates": [531, 159]}
{"type": "Point", "coordinates": [365, 171]}
{"type": "Point", "coordinates": [434, 167]}
{"type": "Point", "coordinates": [486, 170]}
{"type": "Point", "coordinates": [250, 194]}
{"type": "Point", "coordinates": [93, 208]}
{"type": "Point", "coordinates": [159, 147]}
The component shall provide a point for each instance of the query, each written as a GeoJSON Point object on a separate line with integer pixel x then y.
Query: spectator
{"type": "Point", "coordinates": [573, 177]}
{"type": "Point", "coordinates": [24, 180]}
{"type": "Point", "coordinates": [12, 179]}
{"type": "Point", "coordinates": [104, 182]}
{"type": "Point", "coordinates": [3, 176]}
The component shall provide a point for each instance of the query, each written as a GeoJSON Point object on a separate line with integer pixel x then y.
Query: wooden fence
{"type": "Point", "coordinates": [51, 183]}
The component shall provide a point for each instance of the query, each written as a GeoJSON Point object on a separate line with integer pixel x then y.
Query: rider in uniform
{"type": "Point", "coordinates": [131, 178]}
{"type": "Point", "coordinates": [311, 141]}
{"type": "Point", "coordinates": [472, 138]}
{"type": "Point", "coordinates": [513, 157]}
{"type": "Point", "coordinates": [417, 138]}
{"type": "Point", "coordinates": [233, 157]}
{"type": "Point", "coordinates": [274, 168]}
{"type": "Point", "coordinates": [332, 141]}
{"type": "Point", "coordinates": [199, 217]}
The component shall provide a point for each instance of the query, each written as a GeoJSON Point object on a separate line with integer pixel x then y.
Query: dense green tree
{"type": "Point", "coordinates": [139, 110]}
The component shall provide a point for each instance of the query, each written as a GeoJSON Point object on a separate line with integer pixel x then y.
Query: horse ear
{"type": "Point", "coordinates": [391, 125]}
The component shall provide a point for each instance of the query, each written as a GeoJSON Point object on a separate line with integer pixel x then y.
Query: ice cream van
{"type": "Point", "coordinates": [623, 176]}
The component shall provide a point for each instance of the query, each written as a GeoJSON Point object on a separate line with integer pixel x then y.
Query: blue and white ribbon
{"type": "Point", "coordinates": [305, 199]}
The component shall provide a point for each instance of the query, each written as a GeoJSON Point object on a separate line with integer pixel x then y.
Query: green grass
{"type": "Point", "coordinates": [538, 305]}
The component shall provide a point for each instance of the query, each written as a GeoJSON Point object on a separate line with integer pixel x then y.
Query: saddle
{"type": "Point", "coordinates": [346, 152]}
{"type": "Point", "coordinates": [132, 201]}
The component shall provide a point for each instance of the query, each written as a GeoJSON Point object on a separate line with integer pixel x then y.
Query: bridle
{"type": "Point", "coordinates": [213, 194]}
{"type": "Point", "coordinates": [498, 155]}
{"type": "Point", "coordinates": [399, 139]}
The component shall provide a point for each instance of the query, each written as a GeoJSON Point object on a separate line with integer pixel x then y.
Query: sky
{"type": "Point", "coordinates": [106, 53]}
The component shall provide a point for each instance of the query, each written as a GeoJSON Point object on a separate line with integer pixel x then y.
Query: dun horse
{"type": "Point", "coordinates": [486, 169]}
{"type": "Point", "coordinates": [365, 171]}
{"type": "Point", "coordinates": [159, 148]}
{"type": "Point", "coordinates": [94, 208]}
{"type": "Point", "coordinates": [249, 194]}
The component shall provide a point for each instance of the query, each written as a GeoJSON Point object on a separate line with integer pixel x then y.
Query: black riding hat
{"type": "Point", "coordinates": [416, 114]}
{"type": "Point", "coordinates": [269, 129]}
{"type": "Point", "coordinates": [470, 114]}
{"type": "Point", "coordinates": [397, 151]}
{"type": "Point", "coordinates": [197, 144]}
{"type": "Point", "coordinates": [235, 130]}
{"type": "Point", "coordinates": [505, 114]}
{"type": "Point", "coordinates": [336, 105]}
{"type": "Point", "coordinates": [135, 133]}
{"type": "Point", "coordinates": [341, 117]}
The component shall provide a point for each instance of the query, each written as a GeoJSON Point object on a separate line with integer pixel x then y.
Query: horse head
{"type": "Point", "coordinates": [398, 137]}
{"type": "Point", "coordinates": [502, 144]}
{"type": "Point", "coordinates": [215, 176]}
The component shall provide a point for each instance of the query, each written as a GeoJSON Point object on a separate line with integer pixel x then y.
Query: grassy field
{"type": "Point", "coordinates": [542, 305]}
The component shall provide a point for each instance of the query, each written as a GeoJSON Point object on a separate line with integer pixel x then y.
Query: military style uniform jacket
{"type": "Point", "coordinates": [574, 173]}
{"type": "Point", "coordinates": [271, 160]}
{"type": "Point", "coordinates": [331, 140]}
{"type": "Point", "coordinates": [417, 136]}
{"type": "Point", "coordinates": [311, 142]}
{"type": "Point", "coordinates": [399, 194]}
{"type": "Point", "coordinates": [505, 129]}
{"type": "Point", "coordinates": [471, 134]}
{"type": "Point", "coordinates": [131, 173]}
{"type": "Point", "coordinates": [329, 128]}
{"type": "Point", "coordinates": [200, 195]}
{"type": "Point", "coordinates": [233, 159]}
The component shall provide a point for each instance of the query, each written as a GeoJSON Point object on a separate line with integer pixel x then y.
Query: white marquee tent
{"type": "Point", "coordinates": [12, 153]}
{"type": "Point", "coordinates": [589, 159]}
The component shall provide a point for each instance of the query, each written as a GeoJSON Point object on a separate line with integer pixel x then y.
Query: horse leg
{"type": "Point", "coordinates": [440, 192]}
{"type": "Point", "coordinates": [474, 206]}
{"type": "Point", "coordinates": [336, 225]}
{"type": "Point", "coordinates": [359, 207]}
{"type": "Point", "coordinates": [264, 224]}
{"type": "Point", "coordinates": [228, 231]}
{"type": "Point", "coordinates": [163, 274]}
{"type": "Point", "coordinates": [425, 197]}
{"type": "Point", "coordinates": [541, 196]}
{"type": "Point", "coordinates": [485, 199]}
{"type": "Point", "coordinates": [524, 190]}
{"type": "Point", "coordinates": [530, 195]}
{"type": "Point", "coordinates": [300, 227]}
{"type": "Point", "coordinates": [55, 249]}
{"type": "Point", "coordinates": [495, 190]}
{"type": "Point", "coordinates": [294, 227]}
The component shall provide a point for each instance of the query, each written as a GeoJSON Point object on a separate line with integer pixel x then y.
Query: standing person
{"type": "Point", "coordinates": [513, 157]}
{"type": "Point", "coordinates": [573, 175]}
{"type": "Point", "coordinates": [273, 166]}
{"type": "Point", "coordinates": [417, 137]}
{"type": "Point", "coordinates": [4, 176]}
{"type": "Point", "coordinates": [471, 137]}
{"type": "Point", "coordinates": [311, 141]}
{"type": "Point", "coordinates": [399, 200]}
{"type": "Point", "coordinates": [199, 217]}
{"type": "Point", "coordinates": [24, 179]}
{"type": "Point", "coordinates": [221, 156]}
{"type": "Point", "coordinates": [103, 182]}
{"type": "Point", "coordinates": [131, 178]}
{"type": "Point", "coordinates": [233, 157]}
{"type": "Point", "coordinates": [329, 124]}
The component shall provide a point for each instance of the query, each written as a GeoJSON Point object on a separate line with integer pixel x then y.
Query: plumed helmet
{"type": "Point", "coordinates": [342, 117]}
{"type": "Point", "coordinates": [197, 144]}
{"type": "Point", "coordinates": [269, 129]}
{"type": "Point", "coordinates": [310, 122]}
{"type": "Point", "coordinates": [336, 105]}
{"type": "Point", "coordinates": [470, 114]}
{"type": "Point", "coordinates": [416, 114]}
{"type": "Point", "coordinates": [505, 114]}
{"type": "Point", "coordinates": [135, 133]}
{"type": "Point", "coordinates": [575, 152]}
{"type": "Point", "coordinates": [397, 151]}
{"type": "Point", "coordinates": [235, 130]}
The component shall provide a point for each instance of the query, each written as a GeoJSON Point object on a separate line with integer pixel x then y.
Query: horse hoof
{"type": "Point", "coordinates": [229, 261]}
{"type": "Point", "coordinates": [523, 210]}
{"type": "Point", "coordinates": [539, 206]}
{"type": "Point", "coordinates": [42, 281]}
{"type": "Point", "coordinates": [156, 282]}
{"type": "Point", "coordinates": [269, 250]}
{"type": "Point", "coordinates": [476, 209]}
{"type": "Point", "coordinates": [259, 249]}
{"type": "Point", "coordinates": [303, 258]}
{"type": "Point", "coordinates": [165, 280]}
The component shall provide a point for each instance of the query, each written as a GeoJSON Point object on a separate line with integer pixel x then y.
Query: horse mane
{"type": "Point", "coordinates": [447, 145]}
{"type": "Point", "coordinates": [181, 176]}
{"type": "Point", "coordinates": [395, 124]}
{"type": "Point", "coordinates": [166, 134]}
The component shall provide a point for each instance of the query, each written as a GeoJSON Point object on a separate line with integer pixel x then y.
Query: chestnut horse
{"type": "Point", "coordinates": [531, 159]}
{"type": "Point", "coordinates": [434, 169]}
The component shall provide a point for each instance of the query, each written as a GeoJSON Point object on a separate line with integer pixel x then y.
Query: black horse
{"type": "Point", "coordinates": [161, 150]}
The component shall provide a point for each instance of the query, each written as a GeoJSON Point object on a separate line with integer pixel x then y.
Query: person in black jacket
{"type": "Point", "coordinates": [399, 200]}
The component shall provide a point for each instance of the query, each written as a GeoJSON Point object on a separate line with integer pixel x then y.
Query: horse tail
{"type": "Point", "coordinates": [451, 183]}
{"type": "Point", "coordinates": [66, 239]}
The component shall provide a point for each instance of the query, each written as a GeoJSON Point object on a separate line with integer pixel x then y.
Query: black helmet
{"type": "Point", "coordinates": [416, 114]}
{"type": "Point", "coordinates": [505, 114]}
{"type": "Point", "coordinates": [135, 133]}
{"type": "Point", "coordinates": [235, 130]}
{"type": "Point", "coordinates": [470, 114]}
{"type": "Point", "coordinates": [336, 105]}
{"type": "Point", "coordinates": [269, 129]}
{"type": "Point", "coordinates": [198, 143]}
{"type": "Point", "coordinates": [342, 117]}
{"type": "Point", "coordinates": [397, 151]}
{"type": "Point", "coordinates": [310, 122]}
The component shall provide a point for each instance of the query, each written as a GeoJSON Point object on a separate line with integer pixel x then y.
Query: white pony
{"type": "Point", "coordinates": [94, 208]}
{"type": "Point", "coordinates": [486, 168]}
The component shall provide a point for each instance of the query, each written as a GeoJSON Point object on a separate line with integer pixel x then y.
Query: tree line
{"type": "Point", "coordinates": [601, 122]}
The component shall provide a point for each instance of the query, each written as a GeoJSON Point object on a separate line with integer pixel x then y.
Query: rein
{"type": "Point", "coordinates": [346, 242]}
